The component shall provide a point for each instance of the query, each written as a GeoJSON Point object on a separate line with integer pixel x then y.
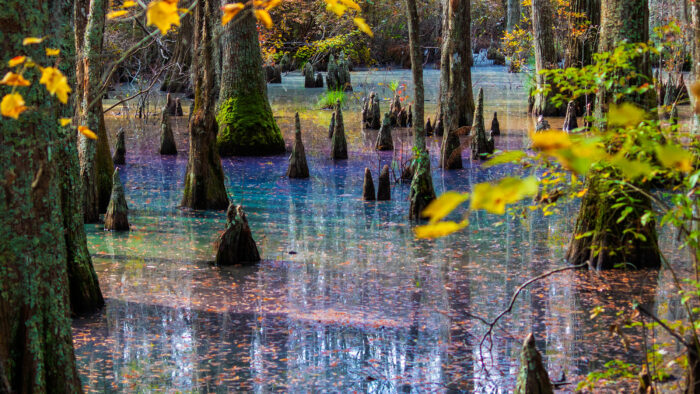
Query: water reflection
{"type": "Point", "coordinates": [345, 299]}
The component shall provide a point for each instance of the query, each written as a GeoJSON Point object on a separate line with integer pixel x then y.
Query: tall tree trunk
{"type": "Point", "coordinates": [609, 246]}
{"type": "Point", "coordinates": [177, 78]}
{"type": "Point", "coordinates": [246, 125]}
{"type": "Point", "coordinates": [513, 16]}
{"type": "Point", "coordinates": [580, 49]}
{"type": "Point", "coordinates": [422, 192]}
{"type": "Point", "coordinates": [204, 180]}
{"type": "Point", "coordinates": [545, 54]}
{"type": "Point", "coordinates": [96, 164]}
{"type": "Point", "coordinates": [456, 97]}
{"type": "Point", "coordinates": [695, 36]}
{"type": "Point", "coordinates": [36, 348]}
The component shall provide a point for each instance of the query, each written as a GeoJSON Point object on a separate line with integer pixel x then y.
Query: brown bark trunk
{"type": "Point", "coordinates": [580, 49]}
{"type": "Point", "coordinates": [204, 179]}
{"type": "Point", "coordinates": [545, 54]}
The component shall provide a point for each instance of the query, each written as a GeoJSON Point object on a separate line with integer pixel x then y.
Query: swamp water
{"type": "Point", "coordinates": [345, 299]}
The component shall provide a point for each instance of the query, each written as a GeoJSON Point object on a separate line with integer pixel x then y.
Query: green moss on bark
{"type": "Point", "coordinates": [247, 127]}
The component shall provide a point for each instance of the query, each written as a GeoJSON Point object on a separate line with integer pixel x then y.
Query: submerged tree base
{"type": "Point", "coordinates": [236, 245]}
{"type": "Point", "coordinates": [247, 128]}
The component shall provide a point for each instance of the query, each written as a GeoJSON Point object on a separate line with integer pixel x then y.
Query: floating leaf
{"type": "Point", "coordinates": [439, 229]}
{"type": "Point", "coordinates": [16, 60]}
{"type": "Point", "coordinates": [52, 52]}
{"type": "Point", "coordinates": [230, 10]}
{"type": "Point", "coordinates": [264, 18]}
{"type": "Point", "coordinates": [116, 14]}
{"type": "Point", "coordinates": [443, 205]}
{"type": "Point", "coordinates": [32, 40]}
{"type": "Point", "coordinates": [14, 79]}
{"type": "Point", "coordinates": [56, 83]}
{"type": "Point", "coordinates": [363, 26]}
{"type": "Point", "coordinates": [65, 121]}
{"type": "Point", "coordinates": [87, 132]}
{"type": "Point", "coordinates": [12, 105]}
{"type": "Point", "coordinates": [494, 197]}
{"type": "Point", "coordinates": [675, 157]}
{"type": "Point", "coordinates": [163, 14]}
{"type": "Point", "coordinates": [625, 114]}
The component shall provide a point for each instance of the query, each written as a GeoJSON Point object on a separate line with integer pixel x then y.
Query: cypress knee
{"type": "Point", "coordinates": [409, 121]}
{"type": "Point", "coordinates": [339, 146]}
{"type": "Point", "coordinates": [495, 126]}
{"type": "Point", "coordinates": [570, 123]}
{"type": "Point", "coordinates": [331, 127]}
{"type": "Point", "coordinates": [167, 140]}
{"type": "Point", "coordinates": [236, 245]}
{"type": "Point", "coordinates": [178, 107]}
{"type": "Point", "coordinates": [422, 192]}
{"type": "Point", "coordinates": [384, 140]}
{"type": "Point", "coordinates": [319, 80]}
{"type": "Point", "coordinates": [532, 376]}
{"type": "Point", "coordinates": [384, 185]}
{"type": "Point", "coordinates": [482, 146]}
{"type": "Point", "coordinates": [116, 218]}
{"type": "Point", "coordinates": [428, 128]}
{"type": "Point", "coordinates": [451, 152]}
{"type": "Point", "coordinates": [402, 118]}
{"type": "Point", "coordinates": [374, 116]}
{"type": "Point", "coordinates": [297, 161]}
{"type": "Point", "coordinates": [438, 129]}
{"type": "Point", "coordinates": [542, 124]}
{"type": "Point", "coordinates": [120, 149]}
{"type": "Point", "coordinates": [368, 186]}
{"type": "Point", "coordinates": [309, 81]}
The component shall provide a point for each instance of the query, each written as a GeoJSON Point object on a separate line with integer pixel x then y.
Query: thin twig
{"type": "Point", "coordinates": [673, 333]}
{"type": "Point", "coordinates": [153, 82]}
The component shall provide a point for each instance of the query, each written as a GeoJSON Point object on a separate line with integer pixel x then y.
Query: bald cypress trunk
{"type": "Point", "coordinates": [513, 14]}
{"type": "Point", "coordinates": [609, 246]}
{"type": "Point", "coordinates": [36, 349]}
{"type": "Point", "coordinates": [177, 78]}
{"type": "Point", "coordinates": [545, 53]}
{"type": "Point", "coordinates": [246, 125]}
{"type": "Point", "coordinates": [204, 179]}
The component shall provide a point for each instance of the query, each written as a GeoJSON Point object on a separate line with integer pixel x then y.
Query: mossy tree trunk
{"type": "Point", "coordinates": [513, 14]}
{"type": "Point", "coordinates": [204, 179]}
{"type": "Point", "coordinates": [545, 53]}
{"type": "Point", "coordinates": [36, 348]}
{"type": "Point", "coordinates": [422, 192]}
{"type": "Point", "coordinates": [608, 245]}
{"type": "Point", "coordinates": [246, 124]}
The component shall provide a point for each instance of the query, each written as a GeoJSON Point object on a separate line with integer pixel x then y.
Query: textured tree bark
{"type": "Point", "coordinates": [422, 192]}
{"type": "Point", "coordinates": [513, 16]}
{"type": "Point", "coordinates": [695, 18]}
{"type": "Point", "coordinates": [580, 50]}
{"type": "Point", "coordinates": [545, 54]}
{"type": "Point", "coordinates": [177, 78]}
{"type": "Point", "coordinates": [96, 166]}
{"type": "Point", "coordinates": [204, 179]}
{"type": "Point", "coordinates": [608, 246]}
{"type": "Point", "coordinates": [35, 335]}
{"type": "Point", "coordinates": [246, 124]}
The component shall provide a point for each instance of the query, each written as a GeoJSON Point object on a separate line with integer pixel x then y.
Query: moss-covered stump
{"type": "Point", "coordinates": [532, 376]}
{"type": "Point", "coordinates": [120, 149]}
{"type": "Point", "coordinates": [331, 126]}
{"type": "Point", "coordinates": [373, 113]}
{"type": "Point", "coordinates": [368, 186]}
{"type": "Point", "coordinates": [451, 151]}
{"type": "Point", "coordinates": [332, 82]}
{"type": "Point", "coordinates": [395, 110]}
{"type": "Point", "coordinates": [236, 245]}
{"type": "Point", "coordinates": [247, 127]}
{"type": "Point", "coordinates": [384, 185]}
{"type": "Point", "coordinates": [309, 79]}
{"type": "Point", "coordinates": [344, 82]}
{"type": "Point", "coordinates": [116, 218]}
{"type": "Point", "coordinates": [428, 128]}
{"type": "Point", "coordinates": [608, 243]}
{"type": "Point", "coordinates": [422, 192]}
{"type": "Point", "coordinates": [167, 140]}
{"type": "Point", "coordinates": [495, 126]}
{"type": "Point", "coordinates": [570, 122]}
{"type": "Point", "coordinates": [297, 160]}
{"type": "Point", "coordinates": [482, 144]}
{"type": "Point", "coordinates": [339, 145]}
{"type": "Point", "coordinates": [384, 139]}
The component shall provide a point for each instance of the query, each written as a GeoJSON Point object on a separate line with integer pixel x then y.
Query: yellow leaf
{"type": "Point", "coordinates": [582, 193]}
{"type": "Point", "coordinates": [351, 4]}
{"type": "Point", "coordinates": [230, 10]}
{"type": "Point", "coordinates": [443, 205]}
{"type": "Point", "coordinates": [264, 18]}
{"type": "Point", "coordinates": [632, 169]}
{"type": "Point", "coordinates": [625, 114]}
{"type": "Point", "coordinates": [87, 132]}
{"type": "Point", "coordinates": [128, 4]}
{"type": "Point", "coordinates": [363, 26]}
{"type": "Point", "coordinates": [13, 79]}
{"type": "Point", "coordinates": [695, 91]}
{"type": "Point", "coordinates": [334, 6]}
{"type": "Point", "coordinates": [494, 198]}
{"type": "Point", "coordinates": [32, 40]}
{"type": "Point", "coordinates": [439, 229]}
{"type": "Point", "coordinates": [116, 14]}
{"type": "Point", "coordinates": [550, 140]}
{"type": "Point", "coordinates": [52, 52]}
{"type": "Point", "coordinates": [674, 157]}
{"type": "Point", "coordinates": [272, 4]}
{"type": "Point", "coordinates": [56, 83]}
{"type": "Point", "coordinates": [163, 14]}
{"type": "Point", "coordinates": [16, 60]}
{"type": "Point", "coordinates": [65, 121]}
{"type": "Point", "coordinates": [12, 105]}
